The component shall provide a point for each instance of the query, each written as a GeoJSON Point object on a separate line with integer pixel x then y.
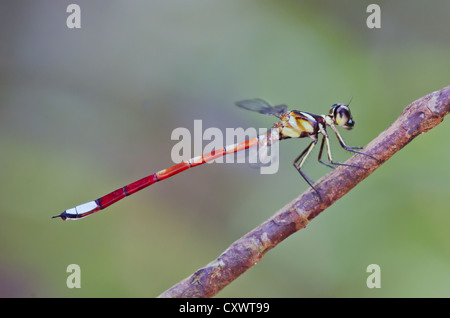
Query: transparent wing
{"type": "Point", "coordinates": [262, 107]}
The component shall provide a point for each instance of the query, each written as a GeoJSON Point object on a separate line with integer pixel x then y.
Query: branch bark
{"type": "Point", "coordinates": [419, 117]}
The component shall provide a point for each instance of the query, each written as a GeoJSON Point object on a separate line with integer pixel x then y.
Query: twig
{"type": "Point", "coordinates": [419, 117]}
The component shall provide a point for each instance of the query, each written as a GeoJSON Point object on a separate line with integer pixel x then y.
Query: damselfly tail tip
{"type": "Point", "coordinates": [62, 216]}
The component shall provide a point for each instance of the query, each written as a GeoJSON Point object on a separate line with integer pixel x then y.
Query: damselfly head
{"type": "Point", "coordinates": [341, 115]}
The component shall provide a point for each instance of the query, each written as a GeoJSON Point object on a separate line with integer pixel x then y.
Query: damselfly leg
{"type": "Point", "coordinates": [330, 159]}
{"type": "Point", "coordinates": [348, 148]}
{"type": "Point", "coordinates": [300, 160]}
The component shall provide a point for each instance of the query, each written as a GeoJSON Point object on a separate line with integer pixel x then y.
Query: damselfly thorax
{"type": "Point", "coordinates": [291, 124]}
{"type": "Point", "coordinates": [295, 124]}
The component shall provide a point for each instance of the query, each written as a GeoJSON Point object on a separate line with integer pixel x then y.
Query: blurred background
{"type": "Point", "coordinates": [86, 111]}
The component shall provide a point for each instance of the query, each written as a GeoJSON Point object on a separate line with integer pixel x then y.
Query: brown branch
{"type": "Point", "coordinates": [419, 117]}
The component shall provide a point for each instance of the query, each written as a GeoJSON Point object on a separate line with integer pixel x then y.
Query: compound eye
{"type": "Point", "coordinates": [343, 117]}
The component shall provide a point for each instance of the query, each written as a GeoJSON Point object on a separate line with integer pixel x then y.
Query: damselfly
{"type": "Point", "coordinates": [291, 124]}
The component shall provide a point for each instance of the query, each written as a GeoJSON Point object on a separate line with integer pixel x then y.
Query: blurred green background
{"type": "Point", "coordinates": [84, 112]}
